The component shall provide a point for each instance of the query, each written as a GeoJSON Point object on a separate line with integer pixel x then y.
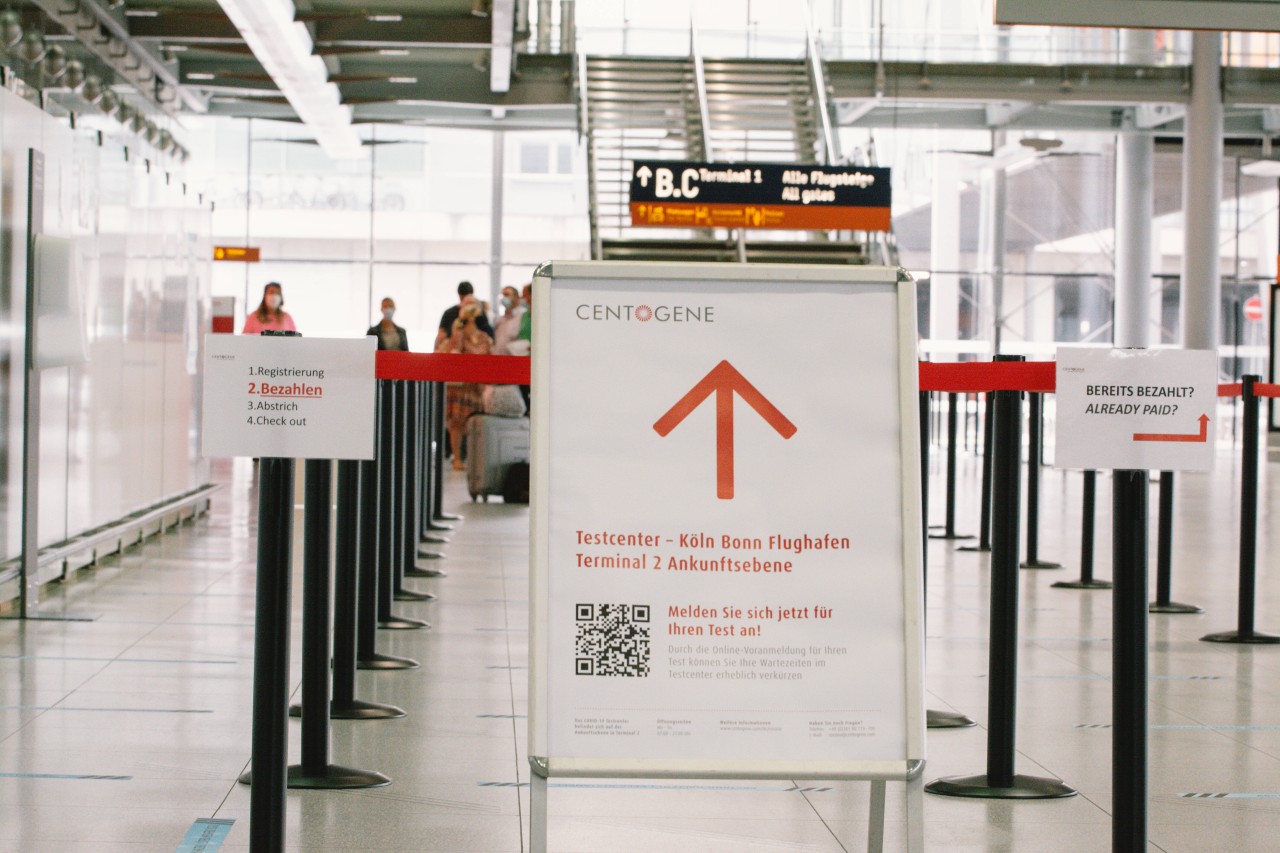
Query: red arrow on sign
{"type": "Point", "coordinates": [724, 380]}
{"type": "Point", "coordinates": [1202, 436]}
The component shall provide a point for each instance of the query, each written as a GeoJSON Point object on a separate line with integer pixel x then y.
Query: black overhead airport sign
{"type": "Point", "coordinates": [680, 194]}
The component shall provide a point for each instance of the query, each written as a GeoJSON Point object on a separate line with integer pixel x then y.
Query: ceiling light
{"type": "Point", "coordinates": [32, 48]}
{"type": "Point", "coordinates": [402, 79]}
{"type": "Point", "coordinates": [92, 90]}
{"type": "Point", "coordinates": [73, 77]}
{"type": "Point", "coordinates": [142, 13]}
{"type": "Point", "coordinates": [384, 19]}
{"type": "Point", "coordinates": [54, 63]}
{"type": "Point", "coordinates": [200, 75]}
{"type": "Point", "coordinates": [393, 51]}
{"type": "Point", "coordinates": [284, 48]}
{"type": "Point", "coordinates": [10, 28]}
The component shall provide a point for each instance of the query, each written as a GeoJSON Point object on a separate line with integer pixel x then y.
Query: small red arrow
{"type": "Point", "coordinates": [1202, 436]}
{"type": "Point", "coordinates": [724, 380]}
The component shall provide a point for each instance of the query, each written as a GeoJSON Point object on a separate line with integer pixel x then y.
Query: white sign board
{"type": "Point", "coordinates": [1136, 409]}
{"type": "Point", "coordinates": [726, 521]}
{"type": "Point", "coordinates": [292, 397]}
{"type": "Point", "coordinates": [1241, 15]}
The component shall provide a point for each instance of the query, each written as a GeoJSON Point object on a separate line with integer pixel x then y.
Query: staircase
{"type": "Point", "coordinates": [690, 108]}
{"type": "Point", "coordinates": [761, 110]}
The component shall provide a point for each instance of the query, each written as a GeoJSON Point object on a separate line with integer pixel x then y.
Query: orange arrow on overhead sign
{"type": "Point", "coordinates": [724, 380]}
{"type": "Point", "coordinates": [1200, 437]}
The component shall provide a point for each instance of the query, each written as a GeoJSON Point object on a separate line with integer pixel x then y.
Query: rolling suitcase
{"type": "Point", "coordinates": [493, 444]}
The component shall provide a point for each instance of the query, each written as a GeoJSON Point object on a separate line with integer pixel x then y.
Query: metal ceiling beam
{"type": "Point", "coordinates": [105, 34]}
{"type": "Point", "coordinates": [185, 27]}
{"type": "Point", "coordinates": [346, 30]}
{"type": "Point", "coordinates": [502, 17]}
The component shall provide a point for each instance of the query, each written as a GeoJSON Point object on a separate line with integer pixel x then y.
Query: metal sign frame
{"type": "Point", "coordinates": [909, 767]}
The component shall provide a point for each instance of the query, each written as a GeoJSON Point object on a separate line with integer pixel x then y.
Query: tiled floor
{"type": "Point", "coordinates": [117, 734]}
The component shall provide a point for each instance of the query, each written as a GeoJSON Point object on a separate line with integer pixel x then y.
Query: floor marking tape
{"type": "Point", "coordinates": [502, 716]}
{"type": "Point", "coordinates": [64, 776]}
{"type": "Point", "coordinates": [789, 789]}
{"type": "Point", "coordinates": [1191, 728]}
{"type": "Point", "coordinates": [1149, 677]}
{"type": "Point", "coordinates": [116, 660]}
{"type": "Point", "coordinates": [205, 835]}
{"type": "Point", "coordinates": [121, 710]}
{"type": "Point", "coordinates": [1230, 796]}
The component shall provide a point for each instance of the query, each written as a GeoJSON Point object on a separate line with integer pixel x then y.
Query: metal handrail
{"type": "Point", "coordinates": [700, 86]}
{"type": "Point", "coordinates": [818, 80]}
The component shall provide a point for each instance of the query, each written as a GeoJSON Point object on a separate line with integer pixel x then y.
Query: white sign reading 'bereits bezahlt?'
{"type": "Point", "coordinates": [1131, 409]}
{"type": "Point", "coordinates": [290, 397]}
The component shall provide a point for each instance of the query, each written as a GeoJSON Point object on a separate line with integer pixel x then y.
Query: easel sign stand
{"type": "Point", "coordinates": [726, 559]}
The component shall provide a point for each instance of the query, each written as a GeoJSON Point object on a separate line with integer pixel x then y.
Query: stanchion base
{"type": "Point", "coordinates": [335, 778]}
{"type": "Point", "coordinates": [357, 710]}
{"type": "Point", "coordinates": [434, 540]}
{"type": "Point", "coordinates": [1083, 584]}
{"type": "Point", "coordinates": [412, 595]}
{"type": "Point", "coordinates": [446, 516]}
{"type": "Point", "coordinates": [420, 572]}
{"type": "Point", "coordinates": [1039, 564]}
{"type": "Point", "coordinates": [980, 549]}
{"type": "Point", "coordinates": [1256, 638]}
{"type": "Point", "coordinates": [951, 536]}
{"type": "Point", "coordinates": [947, 720]}
{"type": "Point", "coordinates": [1023, 788]}
{"type": "Point", "coordinates": [402, 623]}
{"type": "Point", "coordinates": [381, 661]}
{"type": "Point", "coordinates": [1173, 607]}
{"type": "Point", "coordinates": [435, 525]}
{"type": "Point", "coordinates": [429, 555]}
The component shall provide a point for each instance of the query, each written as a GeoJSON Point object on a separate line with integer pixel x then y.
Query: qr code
{"type": "Point", "coordinates": [612, 639]}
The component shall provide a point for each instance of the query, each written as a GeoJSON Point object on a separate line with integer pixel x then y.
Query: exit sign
{"type": "Point", "coordinates": [244, 254]}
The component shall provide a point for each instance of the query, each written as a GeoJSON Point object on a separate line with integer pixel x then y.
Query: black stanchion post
{"type": "Point", "coordinates": [439, 515]}
{"type": "Point", "coordinates": [367, 628]}
{"type": "Point", "coordinates": [316, 771]}
{"type": "Point", "coordinates": [410, 476]}
{"type": "Point", "coordinates": [933, 719]}
{"type": "Point", "coordinates": [431, 470]}
{"type": "Point", "coordinates": [420, 479]}
{"type": "Point", "coordinates": [1245, 632]}
{"type": "Point", "coordinates": [1087, 514]}
{"type": "Point", "coordinates": [389, 519]}
{"type": "Point", "coordinates": [269, 763]}
{"type": "Point", "coordinates": [953, 421]}
{"type": "Point", "coordinates": [984, 519]}
{"type": "Point", "coordinates": [1164, 554]}
{"type": "Point", "coordinates": [1129, 662]}
{"type": "Point", "coordinates": [1000, 781]}
{"type": "Point", "coordinates": [345, 705]}
{"type": "Point", "coordinates": [1035, 435]}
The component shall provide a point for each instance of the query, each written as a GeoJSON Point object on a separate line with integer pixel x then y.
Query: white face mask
{"type": "Point", "coordinates": [274, 300]}
{"type": "Point", "coordinates": [388, 313]}
{"type": "Point", "coordinates": [506, 302]}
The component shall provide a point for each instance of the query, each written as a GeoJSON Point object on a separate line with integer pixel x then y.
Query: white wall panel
{"type": "Point", "coordinates": [122, 430]}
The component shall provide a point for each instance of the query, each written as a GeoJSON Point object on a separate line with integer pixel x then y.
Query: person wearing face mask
{"type": "Point", "coordinates": [509, 324]}
{"type": "Point", "coordinates": [270, 315]}
{"type": "Point", "coordinates": [389, 335]}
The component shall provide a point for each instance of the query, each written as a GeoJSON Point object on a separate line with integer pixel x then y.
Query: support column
{"type": "Point", "coordinates": [944, 251]}
{"type": "Point", "coordinates": [1201, 193]}
{"type": "Point", "coordinates": [1135, 154]}
{"type": "Point", "coordinates": [992, 242]}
